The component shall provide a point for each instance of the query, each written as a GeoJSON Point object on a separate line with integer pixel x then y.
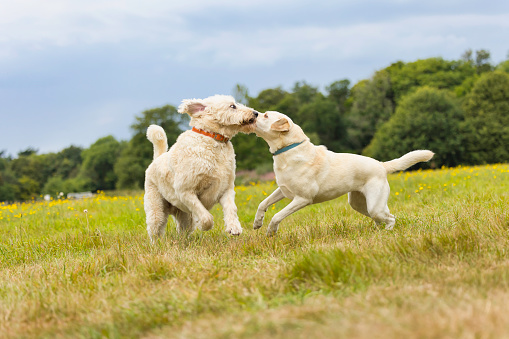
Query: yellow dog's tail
{"type": "Point", "coordinates": [157, 136]}
{"type": "Point", "coordinates": [407, 160]}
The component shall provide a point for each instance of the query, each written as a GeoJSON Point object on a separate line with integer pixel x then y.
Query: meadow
{"type": "Point", "coordinates": [85, 268]}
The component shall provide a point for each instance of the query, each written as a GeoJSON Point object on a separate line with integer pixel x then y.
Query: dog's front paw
{"type": "Point", "coordinates": [235, 229]}
{"type": "Point", "coordinates": [206, 222]}
{"type": "Point", "coordinates": [257, 223]}
{"type": "Point", "coordinates": [272, 230]}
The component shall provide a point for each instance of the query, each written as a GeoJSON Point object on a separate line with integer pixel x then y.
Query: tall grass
{"type": "Point", "coordinates": [442, 272]}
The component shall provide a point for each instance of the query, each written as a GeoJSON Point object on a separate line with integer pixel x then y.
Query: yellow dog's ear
{"type": "Point", "coordinates": [281, 125]}
{"type": "Point", "coordinates": [193, 107]}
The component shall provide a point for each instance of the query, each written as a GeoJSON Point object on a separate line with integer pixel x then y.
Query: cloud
{"type": "Point", "coordinates": [395, 37]}
{"type": "Point", "coordinates": [203, 33]}
{"type": "Point", "coordinates": [62, 22]}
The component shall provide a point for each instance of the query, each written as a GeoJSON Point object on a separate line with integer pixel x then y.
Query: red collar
{"type": "Point", "coordinates": [215, 136]}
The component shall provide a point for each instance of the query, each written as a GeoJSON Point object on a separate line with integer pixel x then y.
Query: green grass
{"type": "Point", "coordinates": [443, 272]}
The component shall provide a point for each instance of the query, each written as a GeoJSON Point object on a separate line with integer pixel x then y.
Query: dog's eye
{"type": "Point", "coordinates": [266, 115]}
{"type": "Point", "coordinates": [233, 106]}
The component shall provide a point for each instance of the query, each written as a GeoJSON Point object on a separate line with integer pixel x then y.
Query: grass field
{"type": "Point", "coordinates": [443, 272]}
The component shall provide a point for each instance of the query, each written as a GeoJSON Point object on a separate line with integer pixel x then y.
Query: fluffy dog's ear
{"type": "Point", "coordinates": [193, 107]}
{"type": "Point", "coordinates": [281, 125]}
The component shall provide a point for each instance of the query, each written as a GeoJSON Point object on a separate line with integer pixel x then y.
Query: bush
{"type": "Point", "coordinates": [427, 119]}
{"type": "Point", "coordinates": [487, 119]}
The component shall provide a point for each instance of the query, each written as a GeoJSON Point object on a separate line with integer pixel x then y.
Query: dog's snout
{"type": "Point", "coordinates": [256, 114]}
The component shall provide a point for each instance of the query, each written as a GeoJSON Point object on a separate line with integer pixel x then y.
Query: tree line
{"type": "Point", "coordinates": [457, 108]}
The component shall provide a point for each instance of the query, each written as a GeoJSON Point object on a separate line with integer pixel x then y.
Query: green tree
{"type": "Point", "coordinates": [304, 92]}
{"type": "Point", "coordinates": [36, 167]}
{"type": "Point", "coordinates": [9, 185]}
{"type": "Point", "coordinates": [55, 185]}
{"type": "Point", "coordinates": [4, 161]}
{"type": "Point", "coordinates": [479, 65]}
{"type": "Point", "coordinates": [503, 66]}
{"type": "Point", "coordinates": [289, 105]}
{"type": "Point", "coordinates": [27, 188]}
{"type": "Point", "coordinates": [251, 152]}
{"type": "Point", "coordinates": [340, 93]}
{"type": "Point", "coordinates": [323, 118]}
{"type": "Point", "coordinates": [22, 165]}
{"type": "Point", "coordinates": [427, 119]}
{"type": "Point", "coordinates": [466, 86]}
{"type": "Point", "coordinates": [267, 99]}
{"type": "Point", "coordinates": [59, 169]}
{"type": "Point", "coordinates": [166, 116]}
{"type": "Point", "coordinates": [28, 152]}
{"type": "Point", "coordinates": [8, 182]}
{"type": "Point", "coordinates": [68, 162]}
{"type": "Point", "coordinates": [98, 162]}
{"type": "Point", "coordinates": [433, 72]}
{"type": "Point", "coordinates": [372, 106]}
{"type": "Point", "coordinates": [487, 119]}
{"type": "Point", "coordinates": [482, 61]}
{"type": "Point", "coordinates": [305, 107]}
{"type": "Point", "coordinates": [132, 163]}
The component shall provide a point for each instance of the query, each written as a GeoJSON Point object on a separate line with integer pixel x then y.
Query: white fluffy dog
{"type": "Point", "coordinates": [310, 174]}
{"type": "Point", "coordinates": [199, 169]}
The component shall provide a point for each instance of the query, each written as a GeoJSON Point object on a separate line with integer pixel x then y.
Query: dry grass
{"type": "Point", "coordinates": [443, 272]}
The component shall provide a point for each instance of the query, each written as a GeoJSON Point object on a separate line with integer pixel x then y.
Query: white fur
{"type": "Point", "coordinates": [310, 174]}
{"type": "Point", "coordinates": [197, 171]}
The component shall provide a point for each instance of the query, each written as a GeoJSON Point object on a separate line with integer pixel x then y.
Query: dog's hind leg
{"type": "Point", "coordinates": [358, 202]}
{"type": "Point", "coordinates": [377, 193]}
{"type": "Point", "coordinates": [202, 218]}
{"type": "Point", "coordinates": [276, 196]}
{"type": "Point", "coordinates": [389, 225]}
{"type": "Point", "coordinates": [183, 220]}
{"type": "Point", "coordinates": [157, 210]}
{"type": "Point", "coordinates": [296, 204]}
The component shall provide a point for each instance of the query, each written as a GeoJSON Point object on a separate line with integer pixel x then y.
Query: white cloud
{"type": "Point", "coordinates": [63, 22]}
{"type": "Point", "coordinates": [35, 25]}
{"type": "Point", "coordinates": [397, 37]}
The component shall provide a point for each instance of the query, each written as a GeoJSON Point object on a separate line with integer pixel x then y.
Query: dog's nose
{"type": "Point", "coordinates": [256, 113]}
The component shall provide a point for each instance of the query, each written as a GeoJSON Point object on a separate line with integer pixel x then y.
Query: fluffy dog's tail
{"type": "Point", "coordinates": [407, 160]}
{"type": "Point", "coordinates": [157, 137]}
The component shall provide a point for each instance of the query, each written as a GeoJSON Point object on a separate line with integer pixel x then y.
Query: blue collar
{"type": "Point", "coordinates": [287, 148]}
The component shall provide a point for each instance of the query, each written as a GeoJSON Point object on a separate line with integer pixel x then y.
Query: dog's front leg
{"type": "Point", "coordinates": [276, 196]}
{"type": "Point", "coordinates": [296, 204]}
{"type": "Point", "coordinates": [201, 217]}
{"type": "Point", "coordinates": [231, 219]}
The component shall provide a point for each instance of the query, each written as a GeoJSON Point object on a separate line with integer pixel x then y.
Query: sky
{"type": "Point", "coordinates": [73, 71]}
